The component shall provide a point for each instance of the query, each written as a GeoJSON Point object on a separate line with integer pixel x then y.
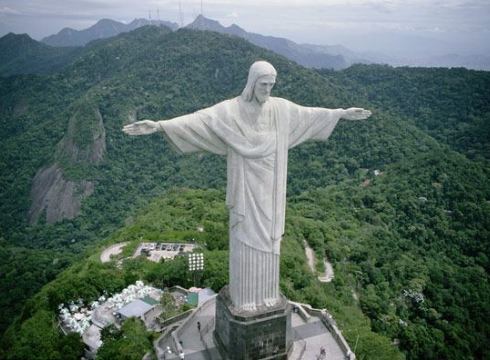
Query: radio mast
{"type": "Point", "coordinates": [181, 15]}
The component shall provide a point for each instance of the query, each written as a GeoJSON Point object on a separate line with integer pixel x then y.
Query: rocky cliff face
{"type": "Point", "coordinates": [55, 194]}
{"type": "Point", "coordinates": [57, 197]}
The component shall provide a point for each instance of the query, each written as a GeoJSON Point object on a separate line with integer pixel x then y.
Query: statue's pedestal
{"type": "Point", "coordinates": [262, 334]}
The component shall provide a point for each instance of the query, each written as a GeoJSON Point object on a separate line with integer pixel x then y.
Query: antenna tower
{"type": "Point", "coordinates": [149, 15]}
{"type": "Point", "coordinates": [181, 15]}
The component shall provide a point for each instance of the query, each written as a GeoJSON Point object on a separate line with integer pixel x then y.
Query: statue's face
{"type": "Point", "coordinates": [263, 87]}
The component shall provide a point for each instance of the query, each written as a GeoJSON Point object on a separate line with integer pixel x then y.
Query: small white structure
{"type": "Point", "coordinates": [88, 321]}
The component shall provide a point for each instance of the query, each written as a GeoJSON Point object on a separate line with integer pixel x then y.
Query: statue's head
{"type": "Point", "coordinates": [261, 80]}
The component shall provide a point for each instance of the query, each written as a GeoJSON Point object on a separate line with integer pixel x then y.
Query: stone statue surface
{"type": "Point", "coordinates": [254, 131]}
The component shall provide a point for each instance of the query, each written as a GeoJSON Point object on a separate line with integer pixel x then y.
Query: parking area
{"type": "Point", "coordinates": [157, 251]}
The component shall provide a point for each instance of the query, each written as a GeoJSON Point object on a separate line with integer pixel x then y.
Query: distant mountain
{"type": "Point", "coordinates": [104, 28]}
{"type": "Point", "coordinates": [19, 54]}
{"type": "Point", "coordinates": [476, 62]}
{"type": "Point", "coordinates": [303, 55]}
{"type": "Point", "coordinates": [310, 55]}
{"type": "Point", "coordinates": [350, 57]}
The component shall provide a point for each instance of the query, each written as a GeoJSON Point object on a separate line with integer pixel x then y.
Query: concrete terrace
{"type": "Point", "coordinates": [310, 335]}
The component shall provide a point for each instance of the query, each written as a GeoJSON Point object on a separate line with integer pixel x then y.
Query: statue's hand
{"type": "Point", "coordinates": [356, 114]}
{"type": "Point", "coordinates": [143, 127]}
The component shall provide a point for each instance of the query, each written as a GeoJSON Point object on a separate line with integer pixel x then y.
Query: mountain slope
{"type": "Point", "coordinates": [19, 54]}
{"type": "Point", "coordinates": [450, 105]}
{"type": "Point", "coordinates": [104, 28]}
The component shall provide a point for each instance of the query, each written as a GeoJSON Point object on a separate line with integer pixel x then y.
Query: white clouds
{"type": "Point", "coordinates": [5, 10]}
{"type": "Point", "coordinates": [232, 15]}
{"type": "Point", "coordinates": [229, 18]}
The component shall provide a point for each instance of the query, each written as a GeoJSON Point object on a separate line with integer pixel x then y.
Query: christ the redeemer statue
{"type": "Point", "coordinates": [254, 131]}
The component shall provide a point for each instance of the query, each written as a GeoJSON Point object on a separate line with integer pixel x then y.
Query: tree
{"type": "Point", "coordinates": [38, 339]}
{"type": "Point", "coordinates": [133, 344]}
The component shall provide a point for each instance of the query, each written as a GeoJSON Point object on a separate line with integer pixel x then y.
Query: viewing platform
{"type": "Point", "coordinates": [313, 330]}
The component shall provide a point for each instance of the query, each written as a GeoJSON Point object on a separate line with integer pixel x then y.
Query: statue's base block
{"type": "Point", "coordinates": [262, 334]}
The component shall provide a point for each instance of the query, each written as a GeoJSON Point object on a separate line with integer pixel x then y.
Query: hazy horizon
{"type": "Point", "coordinates": [415, 28]}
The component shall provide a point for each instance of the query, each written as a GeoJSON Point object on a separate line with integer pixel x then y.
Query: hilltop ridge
{"type": "Point", "coordinates": [104, 28]}
{"type": "Point", "coordinates": [20, 54]}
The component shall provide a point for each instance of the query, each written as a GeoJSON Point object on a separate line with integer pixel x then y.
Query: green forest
{"type": "Point", "coordinates": [409, 242]}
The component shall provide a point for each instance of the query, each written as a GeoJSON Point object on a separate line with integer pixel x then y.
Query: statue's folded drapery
{"type": "Point", "coordinates": [257, 152]}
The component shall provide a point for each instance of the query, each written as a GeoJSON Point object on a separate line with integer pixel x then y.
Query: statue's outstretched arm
{"type": "Point", "coordinates": [187, 133]}
{"type": "Point", "coordinates": [143, 127]}
{"type": "Point", "coordinates": [356, 114]}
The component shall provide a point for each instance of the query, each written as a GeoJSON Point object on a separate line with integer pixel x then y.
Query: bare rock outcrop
{"type": "Point", "coordinates": [83, 146]}
{"type": "Point", "coordinates": [57, 197]}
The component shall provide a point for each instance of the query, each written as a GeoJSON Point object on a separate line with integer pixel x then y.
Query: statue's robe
{"type": "Point", "coordinates": [257, 153]}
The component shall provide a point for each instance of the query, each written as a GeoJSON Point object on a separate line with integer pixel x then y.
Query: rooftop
{"type": "Point", "coordinates": [136, 308]}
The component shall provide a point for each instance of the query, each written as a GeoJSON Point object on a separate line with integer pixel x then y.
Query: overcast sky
{"type": "Point", "coordinates": [460, 26]}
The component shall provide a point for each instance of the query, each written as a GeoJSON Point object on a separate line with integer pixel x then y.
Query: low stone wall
{"type": "Point", "coordinates": [180, 289]}
{"type": "Point", "coordinates": [176, 318]}
{"type": "Point", "coordinates": [331, 325]}
{"type": "Point", "coordinates": [299, 309]}
{"type": "Point", "coordinates": [158, 343]}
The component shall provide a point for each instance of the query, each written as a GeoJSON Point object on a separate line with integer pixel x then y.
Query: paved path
{"type": "Point", "coordinates": [112, 250]}
{"type": "Point", "coordinates": [329, 275]}
{"type": "Point", "coordinates": [317, 336]}
{"type": "Point", "coordinates": [310, 255]}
